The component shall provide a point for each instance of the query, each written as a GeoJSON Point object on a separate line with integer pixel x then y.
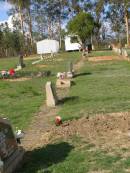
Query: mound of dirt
{"type": "Point", "coordinates": [18, 79]}
{"type": "Point", "coordinates": [105, 131]}
{"type": "Point", "coordinates": [104, 58]}
{"type": "Point", "coordinates": [42, 65]}
{"type": "Point", "coordinates": [31, 58]}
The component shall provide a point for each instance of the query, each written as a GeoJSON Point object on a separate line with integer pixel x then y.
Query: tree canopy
{"type": "Point", "coordinates": [82, 25]}
{"type": "Point", "coordinates": [35, 20]}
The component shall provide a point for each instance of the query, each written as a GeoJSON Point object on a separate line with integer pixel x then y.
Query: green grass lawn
{"type": "Point", "coordinates": [21, 100]}
{"type": "Point", "coordinates": [75, 156]}
{"type": "Point", "coordinates": [99, 88]}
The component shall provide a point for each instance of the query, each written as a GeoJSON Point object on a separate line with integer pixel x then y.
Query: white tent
{"type": "Point", "coordinates": [69, 46]}
{"type": "Point", "coordinates": [47, 46]}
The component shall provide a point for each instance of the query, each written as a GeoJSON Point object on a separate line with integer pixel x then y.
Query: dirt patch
{"type": "Point", "coordinates": [40, 130]}
{"type": "Point", "coordinates": [108, 132]}
{"type": "Point", "coordinates": [104, 131]}
{"type": "Point", "coordinates": [42, 65]}
{"type": "Point", "coordinates": [18, 79]}
{"type": "Point", "coordinates": [59, 60]}
{"type": "Point", "coordinates": [31, 58]}
{"type": "Point", "coordinates": [104, 58]}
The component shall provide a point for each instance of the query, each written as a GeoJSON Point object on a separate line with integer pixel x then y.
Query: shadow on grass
{"type": "Point", "coordinates": [68, 99]}
{"type": "Point", "coordinates": [82, 74]}
{"type": "Point", "coordinates": [42, 158]}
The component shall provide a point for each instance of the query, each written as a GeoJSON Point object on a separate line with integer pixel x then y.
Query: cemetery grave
{"type": "Point", "coordinates": [101, 89]}
{"type": "Point", "coordinates": [65, 97]}
{"type": "Point", "coordinates": [104, 58]}
{"type": "Point", "coordinates": [28, 94]}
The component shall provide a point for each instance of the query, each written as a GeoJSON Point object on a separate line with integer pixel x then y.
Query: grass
{"type": "Point", "coordinates": [99, 88]}
{"type": "Point", "coordinates": [74, 156]}
{"type": "Point", "coordinates": [21, 100]}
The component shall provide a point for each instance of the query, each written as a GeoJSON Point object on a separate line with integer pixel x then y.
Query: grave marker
{"type": "Point", "coordinates": [63, 83]}
{"type": "Point", "coordinates": [10, 153]}
{"type": "Point", "coordinates": [51, 97]}
{"type": "Point", "coordinates": [124, 53]}
{"type": "Point", "coordinates": [70, 70]}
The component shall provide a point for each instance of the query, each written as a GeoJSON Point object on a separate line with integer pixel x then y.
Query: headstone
{"type": "Point", "coordinates": [63, 83]}
{"type": "Point", "coordinates": [10, 153]}
{"type": "Point", "coordinates": [124, 53]}
{"type": "Point", "coordinates": [69, 75]}
{"type": "Point", "coordinates": [120, 51]}
{"type": "Point", "coordinates": [70, 70]}
{"type": "Point", "coordinates": [21, 63]}
{"type": "Point", "coordinates": [1, 166]}
{"type": "Point", "coordinates": [70, 67]}
{"type": "Point", "coordinates": [51, 97]}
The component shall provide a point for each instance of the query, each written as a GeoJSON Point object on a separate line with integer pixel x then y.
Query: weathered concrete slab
{"type": "Point", "coordinates": [63, 83]}
{"type": "Point", "coordinates": [51, 97]}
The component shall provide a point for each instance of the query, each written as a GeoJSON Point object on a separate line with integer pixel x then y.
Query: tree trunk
{"type": "Point", "coordinates": [60, 39]}
{"type": "Point", "coordinates": [49, 28]}
{"type": "Point", "coordinates": [6, 52]}
{"type": "Point", "coordinates": [21, 20]}
{"type": "Point", "coordinates": [30, 26]}
{"type": "Point", "coordinates": [127, 27]}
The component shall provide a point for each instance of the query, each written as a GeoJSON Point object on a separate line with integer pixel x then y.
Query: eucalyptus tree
{"type": "Point", "coordinates": [23, 8]}
{"type": "Point", "coordinates": [48, 17]}
{"type": "Point", "coordinates": [125, 5]}
{"type": "Point", "coordinates": [20, 4]}
{"type": "Point", "coordinates": [120, 9]}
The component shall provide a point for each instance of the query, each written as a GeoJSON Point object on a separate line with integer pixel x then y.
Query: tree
{"type": "Point", "coordinates": [10, 42]}
{"type": "Point", "coordinates": [20, 4]}
{"type": "Point", "coordinates": [115, 15]}
{"type": "Point", "coordinates": [124, 5]}
{"type": "Point", "coordinates": [82, 25]}
{"type": "Point", "coordinates": [48, 17]}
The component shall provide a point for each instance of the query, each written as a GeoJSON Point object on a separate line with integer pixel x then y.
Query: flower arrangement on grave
{"type": "Point", "coordinates": [61, 75]}
{"type": "Point", "coordinates": [58, 120]}
{"type": "Point", "coordinates": [7, 74]}
{"type": "Point", "coordinates": [11, 72]}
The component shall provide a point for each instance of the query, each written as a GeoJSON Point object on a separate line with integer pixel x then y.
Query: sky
{"type": "Point", "coordinates": [4, 7]}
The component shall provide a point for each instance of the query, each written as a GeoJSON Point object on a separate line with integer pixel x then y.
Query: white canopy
{"type": "Point", "coordinates": [47, 46]}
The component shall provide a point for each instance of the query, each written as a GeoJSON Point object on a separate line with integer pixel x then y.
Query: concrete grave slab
{"type": "Point", "coordinates": [63, 83]}
{"type": "Point", "coordinates": [51, 97]}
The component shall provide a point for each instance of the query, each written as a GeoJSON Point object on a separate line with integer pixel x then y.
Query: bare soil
{"type": "Point", "coordinates": [18, 79]}
{"type": "Point", "coordinates": [40, 130]}
{"type": "Point", "coordinates": [107, 132]}
{"type": "Point", "coordinates": [104, 58]}
{"type": "Point", "coordinates": [31, 58]}
{"type": "Point", "coordinates": [110, 131]}
{"type": "Point", "coordinates": [42, 65]}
